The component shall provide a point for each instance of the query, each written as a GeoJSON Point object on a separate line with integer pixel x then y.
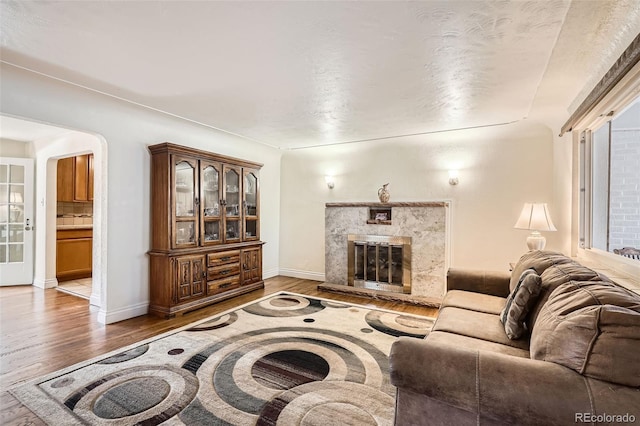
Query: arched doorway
{"type": "Point", "coordinates": [55, 143]}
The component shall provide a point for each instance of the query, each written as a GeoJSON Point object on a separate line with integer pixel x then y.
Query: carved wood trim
{"type": "Point", "coordinates": [168, 146]}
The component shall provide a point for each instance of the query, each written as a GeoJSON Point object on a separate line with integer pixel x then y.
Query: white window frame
{"type": "Point", "coordinates": [611, 106]}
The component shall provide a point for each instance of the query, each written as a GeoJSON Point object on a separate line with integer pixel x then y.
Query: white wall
{"type": "Point", "coordinates": [128, 130]}
{"type": "Point", "coordinates": [500, 168]}
{"type": "Point", "coordinates": [14, 149]}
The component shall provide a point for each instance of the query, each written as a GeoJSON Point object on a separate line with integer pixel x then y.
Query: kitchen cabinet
{"type": "Point", "coordinates": [90, 178]}
{"type": "Point", "coordinates": [73, 253]}
{"type": "Point", "coordinates": [75, 178]}
{"type": "Point", "coordinates": [65, 179]}
{"type": "Point", "coordinates": [205, 229]}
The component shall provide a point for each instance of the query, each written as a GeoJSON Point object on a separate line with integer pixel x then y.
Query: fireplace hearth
{"type": "Point", "coordinates": [379, 262]}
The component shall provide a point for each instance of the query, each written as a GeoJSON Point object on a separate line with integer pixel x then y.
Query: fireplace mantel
{"type": "Point", "coordinates": [425, 222]}
{"type": "Point", "coordinates": [398, 204]}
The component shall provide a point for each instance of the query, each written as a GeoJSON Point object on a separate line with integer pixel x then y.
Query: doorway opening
{"type": "Point", "coordinates": [74, 225]}
{"type": "Point", "coordinates": [51, 144]}
{"type": "Point", "coordinates": [48, 154]}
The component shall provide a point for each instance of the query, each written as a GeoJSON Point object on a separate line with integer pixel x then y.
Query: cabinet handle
{"type": "Point", "coordinates": [226, 272]}
{"type": "Point", "coordinates": [197, 201]}
{"type": "Point", "coordinates": [225, 258]}
{"type": "Point", "coordinates": [225, 285]}
{"type": "Point", "coordinates": [204, 274]}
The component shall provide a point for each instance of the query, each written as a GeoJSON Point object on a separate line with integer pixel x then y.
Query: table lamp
{"type": "Point", "coordinates": [535, 217]}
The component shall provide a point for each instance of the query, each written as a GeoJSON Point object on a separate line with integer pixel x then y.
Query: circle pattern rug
{"type": "Point", "coordinates": [283, 360]}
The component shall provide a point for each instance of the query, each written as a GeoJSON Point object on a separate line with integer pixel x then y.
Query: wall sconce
{"type": "Point", "coordinates": [453, 177]}
{"type": "Point", "coordinates": [329, 180]}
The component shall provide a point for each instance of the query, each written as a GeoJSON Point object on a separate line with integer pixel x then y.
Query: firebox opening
{"type": "Point", "coordinates": [379, 262]}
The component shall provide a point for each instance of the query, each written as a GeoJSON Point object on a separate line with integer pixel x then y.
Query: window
{"type": "Point", "coordinates": [610, 182]}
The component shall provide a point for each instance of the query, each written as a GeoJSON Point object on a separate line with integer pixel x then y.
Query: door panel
{"type": "Point", "coordinates": [251, 266]}
{"type": "Point", "coordinates": [191, 277]}
{"type": "Point", "coordinates": [16, 221]}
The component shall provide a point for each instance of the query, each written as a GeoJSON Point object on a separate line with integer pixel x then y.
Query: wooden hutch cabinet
{"type": "Point", "coordinates": [205, 229]}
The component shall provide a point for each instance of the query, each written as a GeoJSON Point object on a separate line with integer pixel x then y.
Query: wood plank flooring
{"type": "Point", "coordinates": [45, 330]}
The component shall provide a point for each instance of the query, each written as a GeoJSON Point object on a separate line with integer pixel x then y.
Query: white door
{"type": "Point", "coordinates": [16, 221]}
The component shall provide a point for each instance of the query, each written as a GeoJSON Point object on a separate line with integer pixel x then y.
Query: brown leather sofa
{"type": "Point", "coordinates": [578, 361]}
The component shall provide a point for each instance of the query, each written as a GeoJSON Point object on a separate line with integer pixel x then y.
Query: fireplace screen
{"type": "Point", "coordinates": [379, 262]}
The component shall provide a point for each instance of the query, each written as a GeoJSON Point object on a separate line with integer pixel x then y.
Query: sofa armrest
{"type": "Point", "coordinates": [503, 388]}
{"type": "Point", "coordinates": [494, 283]}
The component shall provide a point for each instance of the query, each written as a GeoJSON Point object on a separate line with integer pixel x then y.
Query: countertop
{"type": "Point", "coordinates": [64, 227]}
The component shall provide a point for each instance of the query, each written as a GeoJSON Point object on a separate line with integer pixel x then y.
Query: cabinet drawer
{"type": "Point", "coordinates": [226, 284]}
{"type": "Point", "coordinates": [223, 271]}
{"type": "Point", "coordinates": [223, 258]}
{"type": "Point", "coordinates": [72, 234]}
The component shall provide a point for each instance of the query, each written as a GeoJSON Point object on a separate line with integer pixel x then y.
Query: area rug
{"type": "Point", "coordinates": [286, 359]}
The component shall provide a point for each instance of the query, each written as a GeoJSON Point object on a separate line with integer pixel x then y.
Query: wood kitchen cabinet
{"type": "Point", "coordinates": [65, 180]}
{"type": "Point", "coordinates": [205, 232]}
{"type": "Point", "coordinates": [75, 178]}
{"type": "Point", "coordinates": [73, 253]}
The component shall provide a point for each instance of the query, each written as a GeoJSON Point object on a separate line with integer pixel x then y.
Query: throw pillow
{"type": "Point", "coordinates": [519, 303]}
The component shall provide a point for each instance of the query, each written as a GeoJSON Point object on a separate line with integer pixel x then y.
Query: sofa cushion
{"type": "Point", "coordinates": [519, 303]}
{"type": "Point", "coordinates": [558, 274]}
{"type": "Point", "coordinates": [474, 301]}
{"type": "Point", "coordinates": [459, 341]}
{"type": "Point", "coordinates": [479, 325]}
{"type": "Point", "coordinates": [539, 261]}
{"type": "Point", "coordinates": [593, 328]}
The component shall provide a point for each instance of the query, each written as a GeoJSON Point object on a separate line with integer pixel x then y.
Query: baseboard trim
{"type": "Point", "coordinates": [307, 275]}
{"type": "Point", "coordinates": [270, 273]}
{"type": "Point", "coordinates": [94, 300]}
{"type": "Point", "coordinates": [46, 283]}
{"type": "Point", "coordinates": [122, 314]}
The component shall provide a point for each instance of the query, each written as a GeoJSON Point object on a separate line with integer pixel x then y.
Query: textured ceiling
{"type": "Point", "coordinates": [299, 74]}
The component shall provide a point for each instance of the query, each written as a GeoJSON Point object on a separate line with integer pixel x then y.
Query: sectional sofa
{"type": "Point", "coordinates": [552, 343]}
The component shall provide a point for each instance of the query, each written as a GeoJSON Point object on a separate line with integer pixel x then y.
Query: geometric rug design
{"type": "Point", "coordinates": [286, 359]}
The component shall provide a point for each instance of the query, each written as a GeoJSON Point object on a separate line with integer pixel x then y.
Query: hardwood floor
{"type": "Point", "coordinates": [45, 330]}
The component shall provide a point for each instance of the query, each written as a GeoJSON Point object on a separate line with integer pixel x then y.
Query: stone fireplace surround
{"type": "Point", "coordinates": [426, 223]}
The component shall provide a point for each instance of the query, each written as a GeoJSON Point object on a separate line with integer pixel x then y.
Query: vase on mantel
{"type": "Point", "coordinates": [383, 194]}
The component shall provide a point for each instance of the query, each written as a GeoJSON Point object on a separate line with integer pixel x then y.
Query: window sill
{"type": "Point", "coordinates": [623, 271]}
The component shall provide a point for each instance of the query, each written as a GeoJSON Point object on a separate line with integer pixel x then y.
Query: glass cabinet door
{"type": "Point", "coordinates": [210, 179]}
{"type": "Point", "coordinates": [232, 203]}
{"type": "Point", "coordinates": [185, 202]}
{"type": "Point", "coordinates": [251, 219]}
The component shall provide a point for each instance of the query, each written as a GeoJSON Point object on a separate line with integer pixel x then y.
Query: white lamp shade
{"type": "Point", "coordinates": [535, 217]}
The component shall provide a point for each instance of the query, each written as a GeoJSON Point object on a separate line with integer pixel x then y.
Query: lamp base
{"type": "Point", "coordinates": [535, 241]}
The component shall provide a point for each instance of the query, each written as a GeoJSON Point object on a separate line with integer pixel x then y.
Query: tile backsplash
{"type": "Point", "coordinates": [74, 213]}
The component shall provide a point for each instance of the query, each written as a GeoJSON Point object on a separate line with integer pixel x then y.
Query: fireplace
{"type": "Point", "coordinates": [379, 262]}
{"type": "Point", "coordinates": [425, 262]}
